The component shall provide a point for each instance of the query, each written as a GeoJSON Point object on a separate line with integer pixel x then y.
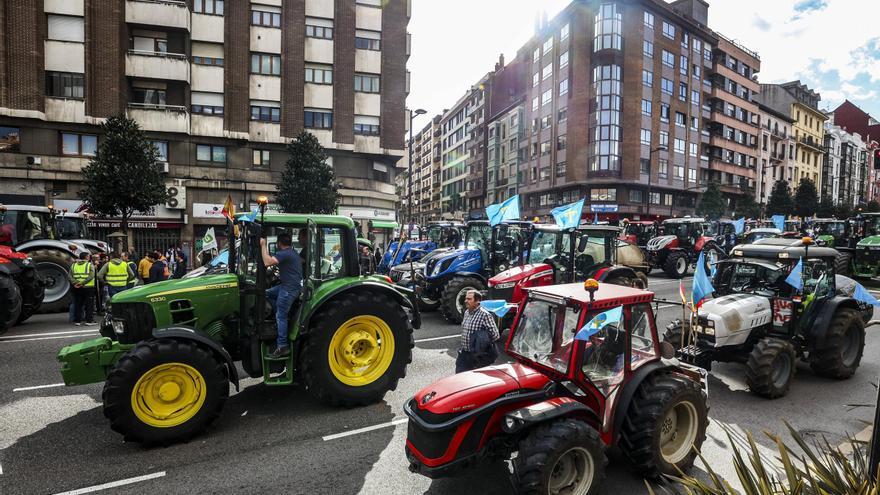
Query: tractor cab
{"type": "Point", "coordinates": [831, 232]}
{"type": "Point", "coordinates": [640, 232]}
{"type": "Point", "coordinates": [866, 258]}
{"type": "Point", "coordinates": [20, 224]}
{"type": "Point", "coordinates": [759, 233]}
{"type": "Point", "coordinates": [680, 244]}
{"type": "Point", "coordinates": [75, 227]}
{"type": "Point", "coordinates": [724, 232]}
{"type": "Point", "coordinates": [437, 235]}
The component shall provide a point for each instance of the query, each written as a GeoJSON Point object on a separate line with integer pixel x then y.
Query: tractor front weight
{"type": "Point", "coordinates": [90, 361]}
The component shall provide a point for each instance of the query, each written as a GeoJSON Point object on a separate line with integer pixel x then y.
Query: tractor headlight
{"type": "Point", "coordinates": [118, 327]}
{"type": "Point", "coordinates": [505, 285]}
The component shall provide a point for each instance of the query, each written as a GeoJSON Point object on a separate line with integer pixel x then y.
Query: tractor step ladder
{"type": "Point", "coordinates": [285, 378]}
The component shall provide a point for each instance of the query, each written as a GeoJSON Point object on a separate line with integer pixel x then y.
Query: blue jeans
{"type": "Point", "coordinates": [113, 290]}
{"type": "Point", "coordinates": [281, 300]}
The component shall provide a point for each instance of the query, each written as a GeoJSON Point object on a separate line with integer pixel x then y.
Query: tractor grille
{"type": "Point", "coordinates": [138, 318]}
{"type": "Point", "coordinates": [868, 256]}
{"type": "Point", "coordinates": [505, 294]}
{"type": "Point", "coordinates": [430, 444]}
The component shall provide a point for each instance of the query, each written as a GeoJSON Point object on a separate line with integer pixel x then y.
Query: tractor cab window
{"type": "Point", "coordinates": [435, 234]}
{"type": "Point", "coordinates": [834, 229]}
{"type": "Point", "coordinates": [547, 244]}
{"type": "Point", "coordinates": [71, 228]}
{"type": "Point", "coordinates": [763, 279]}
{"type": "Point", "coordinates": [593, 253]}
{"type": "Point", "coordinates": [818, 278]}
{"type": "Point", "coordinates": [330, 255]}
{"type": "Point", "coordinates": [541, 336]}
{"type": "Point", "coordinates": [872, 225]}
{"type": "Point", "coordinates": [632, 229]}
{"type": "Point", "coordinates": [604, 349]}
{"type": "Point", "coordinates": [642, 336]}
{"type": "Point", "coordinates": [22, 226]}
{"type": "Point", "coordinates": [508, 246]}
{"type": "Point", "coordinates": [477, 238]}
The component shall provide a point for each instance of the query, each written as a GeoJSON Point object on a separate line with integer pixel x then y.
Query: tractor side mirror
{"type": "Point", "coordinates": [582, 243]}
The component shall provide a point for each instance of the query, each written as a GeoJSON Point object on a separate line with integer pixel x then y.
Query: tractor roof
{"type": "Point", "coordinates": [607, 296]}
{"type": "Point", "coordinates": [685, 220]}
{"type": "Point", "coordinates": [782, 248]}
{"type": "Point", "coordinates": [303, 218]}
{"type": "Point", "coordinates": [610, 229]}
{"type": "Point", "coordinates": [442, 223]}
{"type": "Point", "coordinates": [826, 220]}
{"type": "Point", "coordinates": [766, 230]}
{"type": "Point", "coordinates": [641, 222]}
{"type": "Point", "coordinates": [40, 209]}
{"type": "Point", "coordinates": [870, 214]}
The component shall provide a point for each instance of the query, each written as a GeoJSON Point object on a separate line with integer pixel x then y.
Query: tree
{"type": "Point", "coordinates": [308, 184]}
{"type": "Point", "coordinates": [746, 206]}
{"type": "Point", "coordinates": [843, 210]}
{"type": "Point", "coordinates": [872, 207]}
{"type": "Point", "coordinates": [780, 199]}
{"type": "Point", "coordinates": [806, 199]}
{"type": "Point", "coordinates": [826, 207]}
{"type": "Point", "coordinates": [455, 202]}
{"type": "Point", "coordinates": [124, 177]}
{"type": "Point", "coordinates": [711, 203]}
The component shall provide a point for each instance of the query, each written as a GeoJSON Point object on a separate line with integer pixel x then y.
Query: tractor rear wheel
{"type": "Point", "coordinates": [357, 350]}
{"type": "Point", "coordinates": [841, 350]}
{"type": "Point", "coordinates": [665, 423]}
{"type": "Point", "coordinates": [771, 368]}
{"type": "Point", "coordinates": [565, 456]}
{"type": "Point", "coordinates": [10, 302]}
{"type": "Point", "coordinates": [674, 334]}
{"type": "Point", "coordinates": [452, 304]}
{"type": "Point", "coordinates": [52, 266]}
{"type": "Point", "coordinates": [32, 294]}
{"type": "Point", "coordinates": [165, 391]}
{"type": "Point", "coordinates": [676, 265]}
{"type": "Point", "coordinates": [643, 280]}
{"type": "Point", "coordinates": [843, 264]}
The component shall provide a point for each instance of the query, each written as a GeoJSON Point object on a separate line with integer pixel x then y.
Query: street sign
{"type": "Point", "coordinates": [603, 208]}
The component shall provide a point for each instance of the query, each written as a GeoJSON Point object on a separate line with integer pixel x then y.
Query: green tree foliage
{"type": "Point", "coordinates": [308, 184]}
{"type": "Point", "coordinates": [826, 207]}
{"type": "Point", "coordinates": [872, 207]}
{"type": "Point", "coordinates": [843, 211]}
{"type": "Point", "coordinates": [711, 202]}
{"type": "Point", "coordinates": [806, 199]}
{"type": "Point", "coordinates": [780, 199]}
{"type": "Point", "coordinates": [747, 207]}
{"type": "Point", "coordinates": [124, 177]}
{"type": "Point", "coordinates": [455, 202]}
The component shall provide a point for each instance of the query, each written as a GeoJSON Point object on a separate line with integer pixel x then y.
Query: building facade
{"type": "Point", "coordinates": [853, 119]}
{"type": "Point", "coordinates": [426, 173]}
{"type": "Point", "coordinates": [502, 150]}
{"type": "Point", "coordinates": [220, 87]}
{"type": "Point", "coordinates": [454, 135]}
{"type": "Point", "coordinates": [844, 167]}
{"type": "Point", "coordinates": [776, 161]}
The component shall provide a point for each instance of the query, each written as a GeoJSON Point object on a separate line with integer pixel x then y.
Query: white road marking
{"type": "Point", "coordinates": [389, 424]}
{"type": "Point", "coordinates": [12, 341]}
{"type": "Point", "coordinates": [47, 334]}
{"type": "Point", "coordinates": [36, 387]}
{"type": "Point", "coordinates": [114, 484]}
{"type": "Point", "coordinates": [431, 339]}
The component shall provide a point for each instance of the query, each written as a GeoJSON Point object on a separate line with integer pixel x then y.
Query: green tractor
{"type": "Point", "coordinates": [168, 350]}
{"type": "Point", "coordinates": [838, 234]}
{"type": "Point", "coordinates": [866, 259]}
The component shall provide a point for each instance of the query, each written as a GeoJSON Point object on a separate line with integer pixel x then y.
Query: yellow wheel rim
{"type": "Point", "coordinates": [168, 395]}
{"type": "Point", "coordinates": [361, 350]}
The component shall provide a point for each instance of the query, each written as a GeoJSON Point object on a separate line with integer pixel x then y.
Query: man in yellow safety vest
{"type": "Point", "coordinates": [82, 276]}
{"type": "Point", "coordinates": [117, 274]}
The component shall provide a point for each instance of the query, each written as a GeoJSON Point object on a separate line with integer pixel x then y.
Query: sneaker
{"type": "Point", "coordinates": [279, 352]}
{"type": "Point", "coordinates": [78, 324]}
{"type": "Point", "coordinates": [89, 323]}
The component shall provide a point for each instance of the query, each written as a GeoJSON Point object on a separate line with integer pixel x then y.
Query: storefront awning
{"type": "Point", "coordinates": [384, 224]}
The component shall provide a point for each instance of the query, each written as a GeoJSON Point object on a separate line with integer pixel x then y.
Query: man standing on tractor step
{"type": "Point", "coordinates": [478, 336]}
{"type": "Point", "coordinates": [117, 273]}
{"type": "Point", "coordinates": [283, 295]}
{"type": "Point", "coordinates": [82, 276]}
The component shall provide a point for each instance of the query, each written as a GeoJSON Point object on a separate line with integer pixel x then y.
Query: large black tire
{"type": "Point", "coordinates": [710, 250]}
{"type": "Point", "coordinates": [771, 368]}
{"type": "Point", "coordinates": [647, 438]}
{"type": "Point", "coordinates": [146, 356]}
{"type": "Point", "coordinates": [622, 281]}
{"type": "Point", "coordinates": [32, 293]}
{"type": "Point", "coordinates": [674, 333]}
{"type": "Point", "coordinates": [643, 279]}
{"type": "Point", "coordinates": [537, 466]}
{"type": "Point", "coordinates": [452, 300]}
{"type": "Point", "coordinates": [427, 304]}
{"type": "Point", "coordinates": [843, 263]}
{"type": "Point", "coordinates": [52, 267]}
{"type": "Point", "coordinates": [10, 302]}
{"type": "Point", "coordinates": [336, 316]}
{"type": "Point", "coordinates": [676, 265]}
{"type": "Point", "coordinates": [841, 351]}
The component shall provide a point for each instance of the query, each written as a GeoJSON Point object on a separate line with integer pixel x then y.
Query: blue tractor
{"type": "Point", "coordinates": [436, 235]}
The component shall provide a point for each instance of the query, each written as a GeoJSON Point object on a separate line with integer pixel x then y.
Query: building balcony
{"type": "Point", "coordinates": [811, 143]}
{"type": "Point", "coordinates": [164, 13]}
{"type": "Point", "coordinates": [157, 65]}
{"type": "Point", "coordinates": [165, 118]}
{"type": "Point", "coordinates": [776, 157]}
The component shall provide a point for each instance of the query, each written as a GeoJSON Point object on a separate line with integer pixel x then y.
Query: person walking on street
{"type": "Point", "coordinates": [180, 267]}
{"type": "Point", "coordinates": [283, 295]}
{"type": "Point", "coordinates": [117, 273]}
{"type": "Point", "coordinates": [478, 336]}
{"type": "Point", "coordinates": [143, 268]}
{"type": "Point", "coordinates": [82, 276]}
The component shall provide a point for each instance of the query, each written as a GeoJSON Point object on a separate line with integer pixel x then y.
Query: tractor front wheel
{"type": "Point", "coordinates": [357, 350]}
{"type": "Point", "coordinates": [676, 265]}
{"type": "Point", "coordinates": [10, 302]}
{"type": "Point", "coordinates": [452, 305]}
{"type": "Point", "coordinates": [665, 423]}
{"type": "Point", "coordinates": [841, 350]}
{"type": "Point", "coordinates": [165, 391]}
{"type": "Point", "coordinates": [32, 293]}
{"type": "Point", "coordinates": [771, 367]}
{"type": "Point", "coordinates": [843, 264]}
{"type": "Point", "coordinates": [561, 457]}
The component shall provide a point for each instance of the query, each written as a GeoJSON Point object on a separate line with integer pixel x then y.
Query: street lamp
{"type": "Point", "coordinates": [409, 200]}
{"type": "Point", "coordinates": [648, 199]}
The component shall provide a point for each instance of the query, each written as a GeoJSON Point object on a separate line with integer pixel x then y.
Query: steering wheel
{"type": "Point", "coordinates": [273, 276]}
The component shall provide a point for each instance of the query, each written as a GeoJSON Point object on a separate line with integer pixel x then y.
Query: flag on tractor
{"type": "Point", "coordinates": [508, 210]}
{"type": "Point", "coordinates": [739, 225]}
{"type": "Point", "coordinates": [568, 216]}
{"type": "Point", "coordinates": [681, 292]}
{"type": "Point", "coordinates": [702, 285]}
{"type": "Point", "coordinates": [599, 322]}
{"type": "Point", "coordinates": [498, 307]}
{"type": "Point", "coordinates": [779, 221]}
{"type": "Point", "coordinates": [229, 208]}
{"type": "Point", "coordinates": [861, 294]}
{"type": "Point", "coordinates": [796, 278]}
{"type": "Point", "coordinates": [209, 241]}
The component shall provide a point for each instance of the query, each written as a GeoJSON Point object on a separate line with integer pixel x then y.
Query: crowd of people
{"type": "Point", "coordinates": [99, 277]}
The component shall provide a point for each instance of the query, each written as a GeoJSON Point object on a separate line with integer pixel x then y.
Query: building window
{"type": "Point", "coordinates": [655, 198]}
{"type": "Point", "coordinates": [367, 40]}
{"type": "Point", "coordinates": [679, 146]}
{"type": "Point", "coordinates": [647, 78]}
{"type": "Point", "coordinates": [548, 45]}
{"type": "Point", "coordinates": [668, 30]}
{"type": "Point", "coordinates": [693, 149]}
{"type": "Point", "coordinates": [695, 123]}
{"type": "Point", "coordinates": [646, 137]}
{"type": "Point", "coordinates": [207, 61]}
{"type": "Point", "coordinates": [318, 119]}
{"type": "Point", "coordinates": [262, 17]}
{"type": "Point", "coordinates": [545, 148]}
{"type": "Point", "coordinates": [685, 39]}
{"type": "Point", "coordinates": [680, 119]}
{"type": "Point", "coordinates": [695, 97]}
{"type": "Point", "coordinates": [668, 59]}
{"type": "Point", "coordinates": [664, 112]}
{"type": "Point", "coordinates": [536, 55]}
{"type": "Point", "coordinates": [319, 28]}
{"type": "Point", "coordinates": [563, 115]}
{"type": "Point", "coordinates": [161, 150]}
{"type": "Point", "coordinates": [547, 73]}
{"type": "Point", "coordinates": [66, 28]}
{"type": "Point", "coordinates": [545, 175]}
{"type": "Point", "coordinates": [607, 28]}
{"type": "Point", "coordinates": [266, 64]}
{"type": "Point", "coordinates": [366, 83]}
{"type": "Point", "coordinates": [679, 172]}
{"type": "Point", "coordinates": [206, 103]}
{"type": "Point", "coordinates": [646, 108]}
{"type": "Point", "coordinates": [648, 49]}
{"type": "Point", "coordinates": [603, 194]}
{"type": "Point", "coordinates": [683, 65]}
{"type": "Point", "coordinates": [563, 60]}
{"type": "Point", "coordinates": [149, 96]}
{"type": "Point", "coordinates": [644, 166]}
{"type": "Point", "coordinates": [319, 74]}
{"type": "Point", "coordinates": [547, 97]}
{"type": "Point", "coordinates": [560, 169]}
{"type": "Point", "coordinates": [536, 103]}
{"type": "Point", "coordinates": [261, 158]}
{"type": "Point", "coordinates": [214, 7]}
{"type": "Point", "coordinates": [664, 139]}
{"type": "Point", "coordinates": [366, 125]}
{"type": "Point", "coordinates": [698, 46]}
{"type": "Point", "coordinates": [666, 86]}
{"type": "Point", "coordinates": [546, 121]}
{"type": "Point", "coordinates": [64, 84]}
{"type": "Point", "coordinates": [266, 111]}
{"type": "Point", "coordinates": [636, 196]}
{"type": "Point", "coordinates": [561, 142]}
{"type": "Point", "coordinates": [662, 168]}
{"type": "Point", "coordinates": [536, 79]}
{"type": "Point", "coordinates": [563, 87]}
{"type": "Point", "coordinates": [210, 153]}
{"type": "Point", "coordinates": [78, 144]}
{"type": "Point", "coordinates": [649, 20]}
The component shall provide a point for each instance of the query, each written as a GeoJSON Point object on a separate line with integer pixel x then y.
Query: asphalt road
{"type": "Point", "coordinates": [270, 440]}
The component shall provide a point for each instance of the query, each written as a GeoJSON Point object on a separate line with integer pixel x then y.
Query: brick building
{"type": "Point", "coordinates": [219, 86]}
{"type": "Point", "coordinates": [853, 119]}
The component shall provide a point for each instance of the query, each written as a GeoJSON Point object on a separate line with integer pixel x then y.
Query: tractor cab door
{"type": "Point", "coordinates": [247, 264]}
{"type": "Point", "coordinates": [312, 263]}
{"type": "Point", "coordinates": [819, 287]}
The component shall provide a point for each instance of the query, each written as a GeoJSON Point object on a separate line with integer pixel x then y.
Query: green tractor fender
{"type": "Point", "coordinates": [816, 332]}
{"type": "Point", "coordinates": [200, 337]}
{"type": "Point", "coordinates": [324, 296]}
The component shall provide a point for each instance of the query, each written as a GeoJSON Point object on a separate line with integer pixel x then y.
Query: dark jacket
{"type": "Point", "coordinates": [157, 272]}
{"type": "Point", "coordinates": [179, 269]}
{"type": "Point", "coordinates": [484, 353]}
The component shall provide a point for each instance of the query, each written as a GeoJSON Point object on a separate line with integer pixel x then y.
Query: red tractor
{"type": "Point", "coordinates": [680, 245]}
{"type": "Point", "coordinates": [639, 232]}
{"type": "Point", "coordinates": [589, 374]}
{"type": "Point", "coordinates": [21, 291]}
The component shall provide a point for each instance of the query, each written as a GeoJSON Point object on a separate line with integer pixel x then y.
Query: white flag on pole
{"type": "Point", "coordinates": [209, 241]}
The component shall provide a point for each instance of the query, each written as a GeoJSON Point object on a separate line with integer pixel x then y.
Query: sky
{"type": "Point", "coordinates": [833, 46]}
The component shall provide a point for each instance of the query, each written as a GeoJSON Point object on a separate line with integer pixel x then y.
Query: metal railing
{"type": "Point", "coordinates": [156, 106]}
{"type": "Point", "coordinates": [149, 53]}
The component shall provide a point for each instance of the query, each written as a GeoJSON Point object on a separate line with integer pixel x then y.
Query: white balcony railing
{"type": "Point", "coordinates": [157, 65]}
{"type": "Point", "coordinates": [165, 13]}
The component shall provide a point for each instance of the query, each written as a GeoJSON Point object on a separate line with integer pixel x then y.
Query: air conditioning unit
{"type": "Point", "coordinates": [177, 199]}
{"type": "Point", "coordinates": [165, 167]}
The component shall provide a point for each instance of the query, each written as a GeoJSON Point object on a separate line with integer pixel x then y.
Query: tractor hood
{"type": "Point", "coordinates": [185, 288]}
{"type": "Point", "coordinates": [519, 273]}
{"type": "Point", "coordinates": [463, 260]}
{"type": "Point", "coordinates": [463, 392]}
{"type": "Point", "coordinates": [71, 247]}
{"type": "Point", "coordinates": [94, 246]}
{"type": "Point", "coordinates": [661, 242]}
{"type": "Point", "coordinates": [872, 242]}
{"type": "Point", "coordinates": [734, 316]}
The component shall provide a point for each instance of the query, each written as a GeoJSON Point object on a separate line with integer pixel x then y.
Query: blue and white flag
{"type": "Point", "coordinates": [739, 225]}
{"type": "Point", "coordinates": [796, 278]}
{"type": "Point", "coordinates": [568, 216]}
{"type": "Point", "coordinates": [779, 222]}
{"type": "Point", "coordinates": [599, 322]}
{"type": "Point", "coordinates": [702, 285]}
{"type": "Point", "coordinates": [861, 294]}
{"type": "Point", "coordinates": [250, 217]}
{"type": "Point", "coordinates": [498, 307]}
{"type": "Point", "coordinates": [508, 210]}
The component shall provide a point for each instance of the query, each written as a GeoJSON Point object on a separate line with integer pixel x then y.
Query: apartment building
{"type": "Point", "coordinates": [502, 151]}
{"type": "Point", "coordinates": [220, 87]}
{"type": "Point", "coordinates": [801, 104]}
{"type": "Point", "coordinates": [454, 150]}
{"type": "Point", "coordinates": [844, 166]}
{"type": "Point", "coordinates": [426, 172]}
{"type": "Point", "coordinates": [777, 159]}
{"type": "Point", "coordinates": [853, 119]}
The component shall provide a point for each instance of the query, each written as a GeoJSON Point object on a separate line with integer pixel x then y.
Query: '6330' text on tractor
{"type": "Point", "coordinates": [168, 350]}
